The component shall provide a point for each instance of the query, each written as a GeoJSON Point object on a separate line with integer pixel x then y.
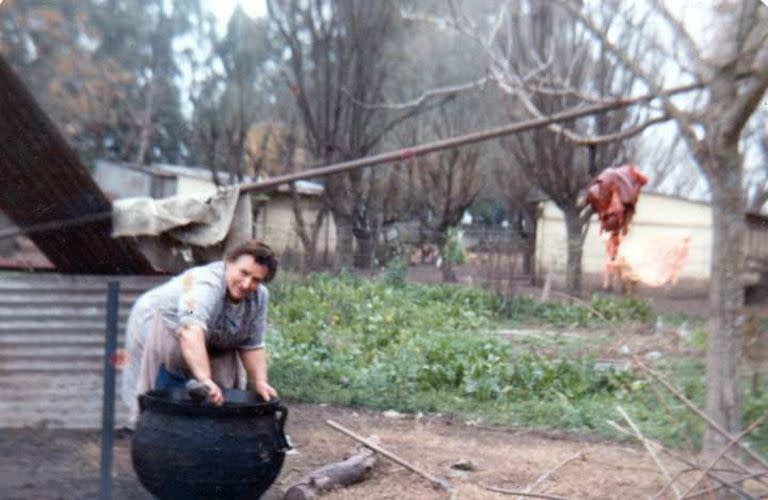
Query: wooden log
{"type": "Point", "coordinates": [436, 481]}
{"type": "Point", "coordinates": [354, 469]}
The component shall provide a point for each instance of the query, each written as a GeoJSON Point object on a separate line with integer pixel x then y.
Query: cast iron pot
{"type": "Point", "coordinates": [186, 450]}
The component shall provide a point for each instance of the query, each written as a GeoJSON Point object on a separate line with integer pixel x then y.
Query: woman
{"type": "Point", "coordinates": [195, 327]}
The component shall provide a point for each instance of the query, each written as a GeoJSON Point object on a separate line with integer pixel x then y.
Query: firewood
{"type": "Point", "coordinates": [354, 469]}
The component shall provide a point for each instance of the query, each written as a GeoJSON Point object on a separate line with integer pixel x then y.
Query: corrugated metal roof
{"type": "Point", "coordinates": [43, 180]}
{"type": "Point", "coordinates": [52, 347]}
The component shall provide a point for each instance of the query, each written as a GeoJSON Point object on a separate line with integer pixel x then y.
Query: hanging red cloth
{"type": "Point", "coordinates": [613, 195]}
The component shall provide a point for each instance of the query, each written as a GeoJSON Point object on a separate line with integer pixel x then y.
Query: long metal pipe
{"type": "Point", "coordinates": [461, 140]}
{"type": "Point", "coordinates": [397, 155]}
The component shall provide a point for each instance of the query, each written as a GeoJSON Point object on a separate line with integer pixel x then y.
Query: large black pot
{"type": "Point", "coordinates": [185, 450]}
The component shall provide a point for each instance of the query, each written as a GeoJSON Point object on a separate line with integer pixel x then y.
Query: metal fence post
{"type": "Point", "coordinates": [108, 403]}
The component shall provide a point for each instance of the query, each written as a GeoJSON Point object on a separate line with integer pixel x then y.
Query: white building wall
{"type": "Point", "coordinates": [657, 217]}
{"type": "Point", "coordinates": [190, 186]}
{"type": "Point", "coordinates": [276, 224]}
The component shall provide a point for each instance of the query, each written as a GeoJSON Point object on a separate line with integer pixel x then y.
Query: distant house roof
{"type": "Point", "coordinates": [752, 217]}
{"type": "Point", "coordinates": [308, 188]}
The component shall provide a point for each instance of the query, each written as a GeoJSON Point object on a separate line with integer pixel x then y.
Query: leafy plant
{"type": "Point", "coordinates": [454, 246]}
{"type": "Point", "coordinates": [396, 271]}
{"type": "Point", "coordinates": [434, 348]}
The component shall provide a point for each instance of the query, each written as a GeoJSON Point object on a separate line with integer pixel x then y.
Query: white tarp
{"type": "Point", "coordinates": [202, 221]}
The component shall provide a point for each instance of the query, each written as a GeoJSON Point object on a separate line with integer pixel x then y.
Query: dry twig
{"type": "Point", "coordinates": [436, 481]}
{"type": "Point", "coordinates": [700, 413]}
{"type": "Point", "coordinates": [548, 474]}
{"type": "Point", "coordinates": [722, 452]}
{"type": "Point", "coordinates": [521, 493]}
{"type": "Point", "coordinates": [724, 482]}
{"type": "Point", "coordinates": [713, 489]}
{"type": "Point", "coordinates": [651, 452]}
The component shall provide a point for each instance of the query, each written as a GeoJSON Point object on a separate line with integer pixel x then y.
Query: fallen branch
{"type": "Point", "coordinates": [521, 493]}
{"type": "Point", "coordinates": [549, 473]}
{"type": "Point", "coordinates": [698, 412]}
{"type": "Point", "coordinates": [651, 452]}
{"type": "Point", "coordinates": [354, 469]}
{"type": "Point", "coordinates": [677, 476]}
{"type": "Point", "coordinates": [713, 489]}
{"type": "Point", "coordinates": [722, 452]}
{"type": "Point", "coordinates": [436, 481]}
{"type": "Point", "coordinates": [724, 482]}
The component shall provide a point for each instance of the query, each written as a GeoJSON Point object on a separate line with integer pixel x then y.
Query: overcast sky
{"type": "Point", "coordinates": [224, 8]}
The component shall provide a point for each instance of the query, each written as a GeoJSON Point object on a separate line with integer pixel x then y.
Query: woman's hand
{"type": "Point", "coordinates": [265, 390]}
{"type": "Point", "coordinates": [214, 392]}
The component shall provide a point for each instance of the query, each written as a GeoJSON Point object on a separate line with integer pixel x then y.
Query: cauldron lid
{"type": "Point", "coordinates": [237, 403]}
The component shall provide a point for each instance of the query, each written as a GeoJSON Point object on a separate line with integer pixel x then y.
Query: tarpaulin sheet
{"type": "Point", "coordinates": [202, 220]}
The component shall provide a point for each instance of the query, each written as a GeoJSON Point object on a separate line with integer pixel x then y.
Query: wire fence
{"type": "Point", "coordinates": [491, 258]}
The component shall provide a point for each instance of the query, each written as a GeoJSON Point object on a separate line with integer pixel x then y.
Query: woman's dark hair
{"type": "Point", "coordinates": [261, 253]}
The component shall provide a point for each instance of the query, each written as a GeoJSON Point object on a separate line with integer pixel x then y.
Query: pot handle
{"type": "Point", "coordinates": [282, 414]}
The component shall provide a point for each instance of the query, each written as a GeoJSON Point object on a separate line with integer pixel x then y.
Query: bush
{"type": "Point", "coordinates": [454, 246]}
{"type": "Point", "coordinates": [396, 272]}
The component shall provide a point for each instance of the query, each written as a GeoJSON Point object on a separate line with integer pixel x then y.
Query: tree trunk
{"type": "Point", "coordinates": [366, 249]}
{"type": "Point", "coordinates": [345, 248]}
{"type": "Point", "coordinates": [573, 274]}
{"type": "Point", "coordinates": [446, 266]}
{"type": "Point", "coordinates": [723, 399]}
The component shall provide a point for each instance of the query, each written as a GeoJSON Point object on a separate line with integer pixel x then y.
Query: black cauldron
{"type": "Point", "coordinates": [186, 450]}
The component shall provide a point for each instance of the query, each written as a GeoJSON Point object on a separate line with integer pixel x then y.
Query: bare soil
{"type": "Point", "coordinates": [64, 464]}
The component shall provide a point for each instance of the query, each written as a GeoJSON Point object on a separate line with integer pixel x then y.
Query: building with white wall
{"type": "Point", "coordinates": [658, 218]}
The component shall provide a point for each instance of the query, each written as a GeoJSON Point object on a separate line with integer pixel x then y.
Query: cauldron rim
{"type": "Point", "coordinates": [237, 403]}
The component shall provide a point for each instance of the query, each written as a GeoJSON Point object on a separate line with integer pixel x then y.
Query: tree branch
{"type": "Point", "coordinates": [681, 33]}
{"type": "Point", "coordinates": [683, 121]}
{"type": "Point", "coordinates": [449, 91]}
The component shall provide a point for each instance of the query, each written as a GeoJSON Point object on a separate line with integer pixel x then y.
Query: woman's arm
{"type": "Point", "coordinates": [192, 345]}
{"type": "Point", "coordinates": [255, 363]}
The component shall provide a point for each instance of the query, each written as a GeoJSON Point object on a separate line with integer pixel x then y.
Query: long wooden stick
{"type": "Point", "coordinates": [681, 458]}
{"type": "Point", "coordinates": [722, 452]}
{"type": "Point", "coordinates": [521, 493]}
{"type": "Point", "coordinates": [436, 481]}
{"type": "Point", "coordinates": [700, 413]}
{"type": "Point", "coordinates": [651, 452]}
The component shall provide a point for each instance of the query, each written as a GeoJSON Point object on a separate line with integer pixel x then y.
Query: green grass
{"type": "Point", "coordinates": [387, 344]}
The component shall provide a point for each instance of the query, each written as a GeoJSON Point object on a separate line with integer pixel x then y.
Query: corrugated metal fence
{"type": "Point", "coordinates": [52, 330]}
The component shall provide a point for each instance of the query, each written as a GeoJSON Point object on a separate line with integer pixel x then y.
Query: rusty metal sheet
{"type": "Point", "coordinates": [43, 180]}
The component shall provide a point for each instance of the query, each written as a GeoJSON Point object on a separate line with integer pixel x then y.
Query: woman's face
{"type": "Point", "coordinates": [244, 275]}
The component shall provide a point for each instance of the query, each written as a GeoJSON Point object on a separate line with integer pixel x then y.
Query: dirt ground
{"type": "Point", "coordinates": [64, 464]}
{"type": "Point", "coordinates": [45, 464]}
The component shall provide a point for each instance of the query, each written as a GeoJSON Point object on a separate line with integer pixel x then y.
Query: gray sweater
{"type": "Point", "coordinates": [199, 296]}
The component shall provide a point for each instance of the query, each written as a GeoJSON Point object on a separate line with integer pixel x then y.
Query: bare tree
{"type": "Point", "coordinates": [336, 63]}
{"type": "Point", "coordinates": [757, 185]}
{"type": "Point", "coordinates": [231, 92]}
{"type": "Point", "coordinates": [667, 163]}
{"type": "Point", "coordinates": [544, 62]}
{"type": "Point", "coordinates": [711, 128]}
{"type": "Point", "coordinates": [447, 182]}
{"type": "Point", "coordinates": [309, 234]}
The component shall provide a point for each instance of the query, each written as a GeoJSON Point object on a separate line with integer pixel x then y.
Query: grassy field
{"type": "Point", "coordinates": [387, 344]}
